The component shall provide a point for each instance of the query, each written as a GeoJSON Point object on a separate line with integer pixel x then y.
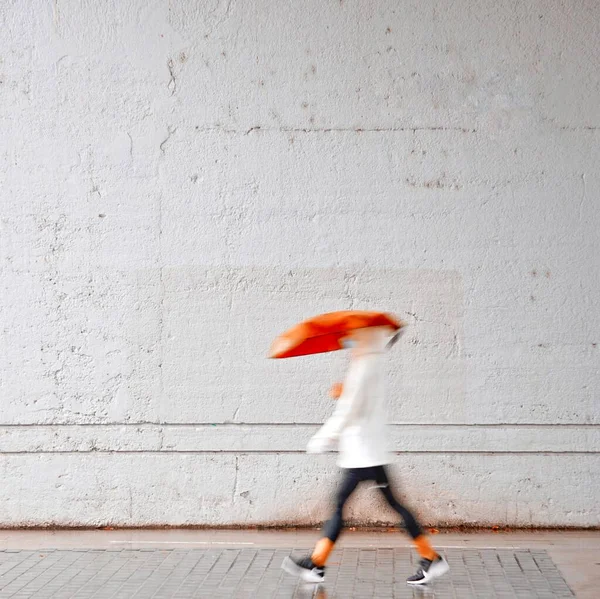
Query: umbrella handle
{"type": "Point", "coordinates": [395, 338]}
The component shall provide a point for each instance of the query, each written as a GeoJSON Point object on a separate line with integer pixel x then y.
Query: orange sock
{"type": "Point", "coordinates": [321, 552]}
{"type": "Point", "coordinates": [424, 547]}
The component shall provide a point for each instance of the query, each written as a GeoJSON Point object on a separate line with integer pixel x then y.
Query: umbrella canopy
{"type": "Point", "coordinates": [325, 333]}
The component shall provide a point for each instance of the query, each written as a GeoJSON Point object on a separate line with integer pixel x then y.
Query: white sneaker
{"type": "Point", "coordinates": [304, 568]}
{"type": "Point", "coordinates": [429, 570]}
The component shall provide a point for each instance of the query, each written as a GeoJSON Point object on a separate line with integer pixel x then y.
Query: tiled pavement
{"type": "Point", "coordinates": [255, 573]}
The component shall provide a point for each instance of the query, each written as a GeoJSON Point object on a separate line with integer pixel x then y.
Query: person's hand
{"type": "Point", "coordinates": [336, 390]}
{"type": "Point", "coordinates": [319, 445]}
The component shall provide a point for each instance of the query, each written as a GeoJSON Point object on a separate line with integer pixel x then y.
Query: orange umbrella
{"type": "Point", "coordinates": [326, 332]}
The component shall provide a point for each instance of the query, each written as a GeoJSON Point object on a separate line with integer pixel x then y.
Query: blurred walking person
{"type": "Point", "coordinates": [358, 426]}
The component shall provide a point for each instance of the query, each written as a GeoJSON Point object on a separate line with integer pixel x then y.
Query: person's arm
{"type": "Point", "coordinates": [348, 407]}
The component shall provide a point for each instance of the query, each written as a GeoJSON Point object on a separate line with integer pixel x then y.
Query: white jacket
{"type": "Point", "coordinates": [359, 421]}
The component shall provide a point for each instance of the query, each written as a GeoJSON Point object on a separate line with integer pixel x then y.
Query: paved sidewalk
{"type": "Point", "coordinates": [183, 564]}
{"type": "Point", "coordinates": [250, 573]}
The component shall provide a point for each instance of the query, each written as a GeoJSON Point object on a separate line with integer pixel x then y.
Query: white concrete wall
{"type": "Point", "coordinates": [181, 180]}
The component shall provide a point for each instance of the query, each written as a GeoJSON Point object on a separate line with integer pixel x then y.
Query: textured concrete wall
{"type": "Point", "coordinates": [182, 180]}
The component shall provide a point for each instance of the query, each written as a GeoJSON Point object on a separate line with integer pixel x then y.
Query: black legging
{"type": "Point", "coordinates": [352, 478]}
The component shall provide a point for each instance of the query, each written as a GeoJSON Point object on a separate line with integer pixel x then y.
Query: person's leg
{"type": "Point", "coordinates": [410, 522]}
{"type": "Point", "coordinates": [333, 527]}
{"type": "Point", "coordinates": [432, 565]}
{"type": "Point", "coordinates": [312, 568]}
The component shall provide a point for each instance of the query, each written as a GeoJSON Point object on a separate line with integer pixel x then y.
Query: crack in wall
{"type": "Point", "coordinates": [579, 128]}
{"type": "Point", "coordinates": [172, 84]}
{"type": "Point", "coordinates": [235, 481]}
{"type": "Point", "coordinates": [130, 144]}
{"type": "Point", "coordinates": [583, 199]}
{"type": "Point", "coordinates": [170, 131]}
{"type": "Point", "coordinates": [219, 21]}
{"type": "Point", "coordinates": [257, 128]}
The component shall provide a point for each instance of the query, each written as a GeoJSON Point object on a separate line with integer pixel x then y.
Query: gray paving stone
{"type": "Point", "coordinates": [256, 573]}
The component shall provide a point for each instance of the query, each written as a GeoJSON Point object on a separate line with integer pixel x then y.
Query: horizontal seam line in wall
{"type": "Point", "coordinates": [258, 128]}
{"type": "Point", "coordinates": [287, 451]}
{"type": "Point", "coordinates": [289, 424]}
